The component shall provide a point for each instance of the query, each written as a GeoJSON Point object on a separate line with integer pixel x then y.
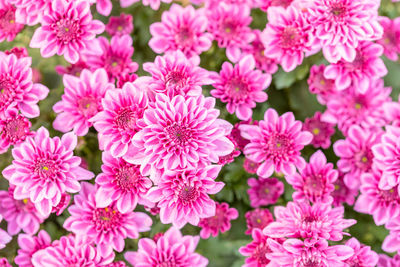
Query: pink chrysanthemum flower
{"type": "Point", "coordinates": [67, 29]}
{"type": "Point", "coordinates": [314, 182]}
{"type": "Point", "coordinates": [4, 263]}
{"type": "Point", "coordinates": [386, 261]}
{"type": "Point", "coordinates": [17, 89]}
{"type": "Point", "coordinates": [350, 107]}
{"type": "Point", "coordinates": [298, 253]}
{"type": "Point", "coordinates": [106, 227]}
{"type": "Point", "coordinates": [321, 86]}
{"type": "Point", "coordinates": [363, 255]}
{"type": "Point", "coordinates": [30, 12]}
{"type": "Point", "coordinates": [264, 191]}
{"type": "Point", "coordinates": [121, 25]}
{"type": "Point", "coordinates": [117, 123]}
{"type": "Point", "coordinates": [171, 249]}
{"type": "Point", "coordinates": [44, 168]}
{"type": "Point", "coordinates": [256, 251]}
{"type": "Point", "coordinates": [250, 166]}
{"type": "Point", "coordinates": [9, 28]}
{"type": "Point", "coordinates": [240, 87]}
{"type": "Point", "coordinates": [126, 78]}
{"type": "Point", "coordinates": [183, 196]}
{"type": "Point", "coordinates": [121, 182]}
{"type": "Point", "coordinates": [220, 222]}
{"type": "Point", "coordinates": [183, 29]}
{"type": "Point", "coordinates": [29, 245]}
{"type": "Point", "coordinates": [360, 73]}
{"type": "Point", "coordinates": [287, 37]}
{"type": "Point", "coordinates": [341, 25]}
{"type": "Point", "coordinates": [257, 219]}
{"type": "Point", "coordinates": [392, 112]}
{"type": "Point", "coordinates": [391, 37]}
{"type": "Point", "coordinates": [173, 74]}
{"type": "Point", "coordinates": [276, 143]}
{"type": "Point", "coordinates": [236, 134]}
{"type": "Point", "coordinates": [20, 52]}
{"type": "Point", "coordinates": [301, 220]}
{"type": "Point", "coordinates": [392, 241]}
{"type": "Point", "coordinates": [19, 214]}
{"type": "Point", "coordinates": [4, 236]}
{"type": "Point", "coordinates": [81, 101]}
{"type": "Point", "coordinates": [115, 57]}
{"type": "Point", "coordinates": [229, 25]}
{"type": "Point", "coordinates": [321, 131]}
{"type": "Point", "coordinates": [342, 193]}
{"type": "Point", "coordinates": [73, 69]}
{"type": "Point", "coordinates": [355, 154]}
{"type": "Point", "coordinates": [179, 133]}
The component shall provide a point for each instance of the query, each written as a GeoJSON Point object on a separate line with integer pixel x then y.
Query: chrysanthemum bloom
{"type": "Point", "coordinates": [14, 129]}
{"type": "Point", "coordinates": [19, 214]}
{"type": "Point", "coordinates": [73, 69]}
{"type": "Point", "coordinates": [179, 133]}
{"type": "Point", "coordinates": [81, 101]}
{"type": "Point", "coordinates": [350, 107]}
{"type": "Point", "coordinates": [220, 222]}
{"type": "Point", "coordinates": [115, 57]}
{"type": "Point", "coordinates": [276, 143]}
{"type": "Point", "coordinates": [362, 71]}
{"type": "Point", "coordinates": [67, 29]}
{"type": "Point", "coordinates": [255, 252]}
{"type": "Point", "coordinates": [392, 241]}
{"type": "Point", "coordinates": [229, 25]}
{"type": "Point", "coordinates": [71, 251]}
{"type": "Point", "coordinates": [298, 253]}
{"type": "Point", "coordinates": [171, 249]}
{"type": "Point", "coordinates": [363, 255]}
{"type": "Point", "coordinates": [321, 131]}
{"type": "Point", "coordinates": [30, 12]}
{"type": "Point", "coordinates": [121, 182]}
{"type": "Point", "coordinates": [287, 37]}
{"type": "Point", "coordinates": [342, 193]}
{"type": "Point", "coordinates": [4, 263]}
{"type": "Point", "coordinates": [121, 25]}
{"type": "Point", "coordinates": [17, 89]}
{"type": "Point", "coordinates": [44, 168]}
{"type": "Point", "coordinates": [183, 29]}
{"type": "Point", "coordinates": [29, 245]}
{"type": "Point", "coordinates": [257, 219]}
{"type": "Point", "coordinates": [9, 28]}
{"type": "Point", "coordinates": [391, 37]}
{"type": "Point", "coordinates": [106, 227]}
{"type": "Point", "coordinates": [183, 196]}
{"type": "Point", "coordinates": [300, 220]}
{"type": "Point", "coordinates": [250, 166]}
{"type": "Point", "coordinates": [324, 88]}
{"type": "Point", "coordinates": [392, 112]}
{"type": "Point", "coordinates": [264, 191]}
{"type": "Point", "coordinates": [386, 261]}
{"type": "Point", "coordinates": [4, 236]}
{"type": "Point", "coordinates": [126, 78]}
{"type": "Point", "coordinates": [173, 74]}
{"type": "Point", "coordinates": [315, 181]}
{"type": "Point", "coordinates": [341, 25]}
{"type": "Point", "coordinates": [240, 87]}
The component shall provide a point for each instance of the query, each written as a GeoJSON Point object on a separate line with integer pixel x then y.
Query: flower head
{"type": "Point", "coordinates": [363, 255]}
{"type": "Point", "coordinates": [391, 37]}
{"type": "Point", "coordinates": [29, 245]}
{"type": "Point", "coordinates": [386, 261]}
{"type": "Point", "coordinates": [264, 191]}
{"type": "Point", "coordinates": [321, 86]}
{"type": "Point", "coordinates": [121, 25]}
{"type": "Point", "coordinates": [30, 12]}
{"type": "Point", "coordinates": [321, 131]}
{"type": "Point", "coordinates": [257, 219]}
{"type": "Point", "coordinates": [256, 251]}
{"type": "Point", "coordinates": [392, 241]}
{"type": "Point", "coordinates": [342, 193]}
{"type": "Point", "coordinates": [73, 69]}
{"type": "Point", "coordinates": [250, 166]}
{"type": "Point", "coordinates": [9, 28]}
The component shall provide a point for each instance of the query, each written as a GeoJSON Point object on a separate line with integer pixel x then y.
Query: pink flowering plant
{"type": "Point", "coordinates": [194, 133]}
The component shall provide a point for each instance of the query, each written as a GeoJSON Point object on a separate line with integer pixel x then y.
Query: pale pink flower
{"type": "Point", "coordinates": [363, 255]}
{"type": "Point", "coordinates": [104, 7]}
{"type": "Point", "coordinates": [255, 252]}
{"type": "Point", "coordinates": [44, 168]}
{"type": "Point", "coordinates": [321, 86]}
{"type": "Point", "coordinates": [257, 219]}
{"type": "Point", "coordinates": [4, 236]}
{"type": "Point", "coordinates": [276, 143]}
{"type": "Point", "coordinates": [121, 25]}
{"type": "Point", "coordinates": [342, 193]}
{"type": "Point", "coordinates": [67, 29]}
{"type": "Point", "coordinates": [264, 191]}
{"type": "Point", "coordinates": [391, 37]}
{"type": "Point", "coordinates": [81, 101]}
{"type": "Point", "coordinates": [224, 160]}
{"type": "Point", "coordinates": [30, 12]}
{"type": "Point", "coordinates": [240, 87]}
{"type": "Point", "coordinates": [321, 131]}
{"type": "Point", "coordinates": [9, 28]}
{"type": "Point", "coordinates": [392, 112]}
{"type": "Point", "coordinates": [171, 249]}
{"type": "Point", "coordinates": [29, 245]}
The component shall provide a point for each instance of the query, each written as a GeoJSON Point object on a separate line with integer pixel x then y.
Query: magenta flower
{"type": "Point", "coordinates": [173, 74]}
{"type": "Point", "coordinates": [121, 25]}
{"type": "Point", "coordinates": [19, 52]}
{"type": "Point", "coordinates": [179, 133]}
{"type": "Point", "coordinates": [276, 143]}
{"type": "Point", "coordinates": [341, 25]}
{"type": "Point", "coordinates": [106, 227]}
{"type": "Point", "coordinates": [321, 86]}
{"type": "Point", "coordinates": [73, 69]}
{"type": "Point", "coordinates": [392, 241]}
{"type": "Point", "coordinates": [121, 182]}
{"type": "Point", "coordinates": [220, 222]}
{"type": "Point", "coordinates": [257, 219]}
{"type": "Point", "coordinates": [63, 204]}
{"type": "Point", "coordinates": [115, 56]}
{"type": "Point", "coordinates": [264, 191]}
{"type": "Point", "coordinates": [321, 131]}
{"type": "Point", "coordinates": [287, 37]}
{"type": "Point", "coordinates": [386, 261]}
{"type": "Point", "coordinates": [44, 168]}
{"type": "Point", "coordinates": [5, 263]}
{"type": "Point", "coordinates": [360, 73]}
{"type": "Point", "coordinates": [30, 12]}
{"type": "Point", "coordinates": [342, 193]}
{"type": "Point", "coordinates": [117, 123]}
{"type": "Point", "coordinates": [9, 28]}
{"type": "Point", "coordinates": [29, 245]}
{"type": "Point", "coordinates": [314, 182]}
{"type": "Point", "coordinates": [67, 29]}
{"type": "Point", "coordinates": [183, 29]}
{"type": "Point", "coordinates": [250, 166]}
{"type": "Point", "coordinates": [4, 236]}
{"type": "Point", "coordinates": [236, 134]}
{"type": "Point", "coordinates": [300, 220]}
{"type": "Point", "coordinates": [81, 101]}
{"type": "Point", "coordinates": [391, 37]}
{"type": "Point", "coordinates": [363, 255]}
{"type": "Point", "coordinates": [17, 89]}
{"type": "Point", "coordinates": [255, 252]}
{"type": "Point", "coordinates": [241, 86]}
{"type": "Point", "coordinates": [229, 25]}
{"type": "Point", "coordinates": [297, 253]}
{"type": "Point", "coordinates": [392, 112]}
{"type": "Point", "coordinates": [125, 78]}
{"type": "Point", "coordinates": [171, 249]}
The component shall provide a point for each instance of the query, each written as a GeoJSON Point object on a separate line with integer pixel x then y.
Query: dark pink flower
{"type": "Point", "coordinates": [363, 255]}
{"type": "Point", "coordinates": [4, 263]}
{"type": "Point", "coordinates": [121, 25]}
{"type": "Point", "coordinates": [321, 86]}
{"type": "Point", "coordinates": [250, 166]}
{"type": "Point", "coordinates": [386, 261]}
{"type": "Point", "coordinates": [20, 52]}
{"type": "Point", "coordinates": [321, 131]}
{"type": "Point", "coordinates": [29, 245]}
{"type": "Point", "coordinates": [9, 28]}
{"type": "Point", "coordinates": [342, 193]}
{"type": "Point", "coordinates": [241, 142]}
{"type": "Point", "coordinates": [257, 219]}
{"type": "Point", "coordinates": [264, 191]}
{"type": "Point", "coordinates": [73, 69]}
{"type": "Point", "coordinates": [391, 37]}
